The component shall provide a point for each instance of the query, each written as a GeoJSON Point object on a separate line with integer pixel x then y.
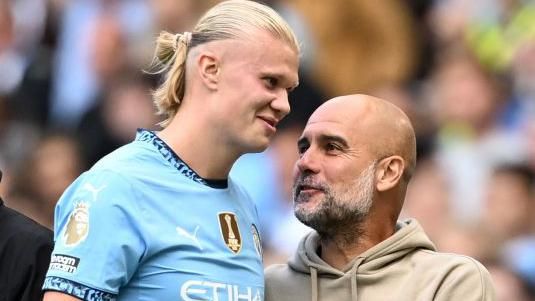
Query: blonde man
{"type": "Point", "coordinates": [162, 219]}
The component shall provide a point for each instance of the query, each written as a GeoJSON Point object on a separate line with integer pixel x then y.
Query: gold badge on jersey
{"type": "Point", "coordinates": [230, 231]}
{"type": "Point", "coordinates": [78, 225]}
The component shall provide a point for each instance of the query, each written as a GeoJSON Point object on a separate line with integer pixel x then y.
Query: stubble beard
{"type": "Point", "coordinates": [342, 211]}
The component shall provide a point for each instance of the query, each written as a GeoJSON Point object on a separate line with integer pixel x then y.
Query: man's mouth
{"type": "Point", "coordinates": [305, 190]}
{"type": "Point", "coordinates": [270, 121]}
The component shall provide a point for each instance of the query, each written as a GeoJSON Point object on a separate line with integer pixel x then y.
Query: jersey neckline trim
{"type": "Point", "coordinates": [167, 152]}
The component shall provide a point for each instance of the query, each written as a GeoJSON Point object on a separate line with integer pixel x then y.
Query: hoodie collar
{"type": "Point", "coordinates": [409, 236]}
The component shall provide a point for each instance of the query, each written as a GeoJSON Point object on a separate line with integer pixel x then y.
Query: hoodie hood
{"type": "Point", "coordinates": [409, 236]}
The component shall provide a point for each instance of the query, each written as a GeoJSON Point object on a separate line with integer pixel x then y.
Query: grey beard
{"type": "Point", "coordinates": [341, 214]}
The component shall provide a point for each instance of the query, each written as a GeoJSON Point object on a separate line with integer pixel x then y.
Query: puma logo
{"type": "Point", "coordinates": [182, 232]}
{"type": "Point", "coordinates": [94, 191]}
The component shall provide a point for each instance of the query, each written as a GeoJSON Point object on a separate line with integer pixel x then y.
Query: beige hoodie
{"type": "Point", "coordinates": [405, 266]}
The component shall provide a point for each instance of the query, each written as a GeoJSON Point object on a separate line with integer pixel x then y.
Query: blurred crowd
{"type": "Point", "coordinates": [72, 89]}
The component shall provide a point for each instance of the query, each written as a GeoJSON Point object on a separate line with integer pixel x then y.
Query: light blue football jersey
{"type": "Point", "coordinates": [141, 225]}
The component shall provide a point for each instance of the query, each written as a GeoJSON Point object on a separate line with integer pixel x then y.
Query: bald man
{"type": "Point", "coordinates": [356, 156]}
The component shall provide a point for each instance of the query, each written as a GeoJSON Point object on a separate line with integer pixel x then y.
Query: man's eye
{"type": "Point", "coordinates": [332, 147]}
{"type": "Point", "coordinates": [271, 82]}
{"type": "Point", "coordinates": [301, 149]}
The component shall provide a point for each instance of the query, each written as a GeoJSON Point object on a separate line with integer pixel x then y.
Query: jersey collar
{"type": "Point", "coordinates": [168, 153]}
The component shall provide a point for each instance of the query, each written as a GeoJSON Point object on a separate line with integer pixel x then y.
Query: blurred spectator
{"type": "Point", "coordinates": [449, 19]}
{"type": "Point", "coordinates": [472, 241]}
{"type": "Point", "coordinates": [21, 27]}
{"type": "Point", "coordinates": [523, 73]}
{"type": "Point", "coordinates": [518, 255]}
{"type": "Point", "coordinates": [178, 16]}
{"type": "Point", "coordinates": [17, 139]}
{"type": "Point", "coordinates": [467, 103]}
{"type": "Point", "coordinates": [25, 76]}
{"type": "Point", "coordinates": [508, 284]}
{"type": "Point", "coordinates": [113, 120]}
{"type": "Point", "coordinates": [76, 85]}
{"type": "Point", "coordinates": [498, 29]}
{"type": "Point", "coordinates": [53, 164]}
{"type": "Point", "coordinates": [6, 26]}
{"type": "Point", "coordinates": [428, 200]}
{"type": "Point", "coordinates": [407, 98]}
{"type": "Point", "coordinates": [530, 142]}
{"type": "Point", "coordinates": [509, 209]}
{"type": "Point", "coordinates": [425, 41]}
{"type": "Point", "coordinates": [522, 109]}
{"type": "Point", "coordinates": [360, 44]}
{"type": "Point", "coordinates": [107, 44]}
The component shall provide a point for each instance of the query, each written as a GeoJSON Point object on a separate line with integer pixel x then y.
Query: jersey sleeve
{"type": "Point", "coordinates": [98, 244]}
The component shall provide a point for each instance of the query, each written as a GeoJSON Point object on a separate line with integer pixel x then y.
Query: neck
{"type": "Point", "coordinates": [198, 146]}
{"type": "Point", "coordinates": [339, 249]}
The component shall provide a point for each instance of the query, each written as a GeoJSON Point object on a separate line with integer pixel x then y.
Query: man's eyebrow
{"type": "Point", "coordinates": [324, 138]}
{"type": "Point", "coordinates": [334, 138]}
{"type": "Point", "coordinates": [282, 78]}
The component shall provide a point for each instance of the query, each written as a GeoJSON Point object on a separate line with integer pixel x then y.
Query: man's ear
{"type": "Point", "coordinates": [208, 66]}
{"type": "Point", "coordinates": [389, 172]}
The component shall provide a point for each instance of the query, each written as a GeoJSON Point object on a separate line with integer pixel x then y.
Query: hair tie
{"type": "Point", "coordinates": [184, 38]}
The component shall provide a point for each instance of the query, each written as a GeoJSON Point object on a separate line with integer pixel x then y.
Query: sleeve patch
{"type": "Point", "coordinates": [65, 263]}
{"type": "Point", "coordinates": [76, 290]}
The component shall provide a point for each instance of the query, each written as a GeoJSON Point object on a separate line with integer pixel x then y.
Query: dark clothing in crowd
{"type": "Point", "coordinates": [25, 248]}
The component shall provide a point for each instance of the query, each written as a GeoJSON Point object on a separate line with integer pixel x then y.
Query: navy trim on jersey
{"type": "Point", "coordinates": [174, 159]}
{"type": "Point", "coordinates": [218, 184]}
{"type": "Point", "coordinates": [77, 290]}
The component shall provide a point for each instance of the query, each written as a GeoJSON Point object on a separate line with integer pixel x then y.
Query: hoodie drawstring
{"type": "Point", "coordinates": [354, 282]}
{"type": "Point", "coordinates": [353, 273]}
{"type": "Point", "coordinates": [314, 283]}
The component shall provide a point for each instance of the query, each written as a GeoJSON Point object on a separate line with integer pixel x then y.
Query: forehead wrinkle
{"type": "Point", "coordinates": [315, 129]}
{"type": "Point", "coordinates": [326, 133]}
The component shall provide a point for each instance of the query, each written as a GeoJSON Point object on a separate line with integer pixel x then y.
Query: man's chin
{"type": "Point", "coordinates": [256, 147]}
{"type": "Point", "coordinates": [313, 221]}
{"type": "Point", "coordinates": [305, 215]}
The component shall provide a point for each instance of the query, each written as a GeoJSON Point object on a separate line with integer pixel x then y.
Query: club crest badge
{"type": "Point", "coordinates": [78, 225]}
{"type": "Point", "coordinates": [257, 241]}
{"type": "Point", "coordinates": [230, 231]}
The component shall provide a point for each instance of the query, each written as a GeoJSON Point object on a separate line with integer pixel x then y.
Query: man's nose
{"type": "Point", "coordinates": [281, 104]}
{"type": "Point", "coordinates": [308, 162]}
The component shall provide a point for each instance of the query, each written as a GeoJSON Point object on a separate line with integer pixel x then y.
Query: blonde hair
{"type": "Point", "coordinates": [227, 20]}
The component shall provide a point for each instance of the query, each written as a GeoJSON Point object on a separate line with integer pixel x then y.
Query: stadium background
{"type": "Point", "coordinates": [72, 90]}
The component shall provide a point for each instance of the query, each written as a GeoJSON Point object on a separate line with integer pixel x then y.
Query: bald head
{"type": "Point", "coordinates": [383, 127]}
